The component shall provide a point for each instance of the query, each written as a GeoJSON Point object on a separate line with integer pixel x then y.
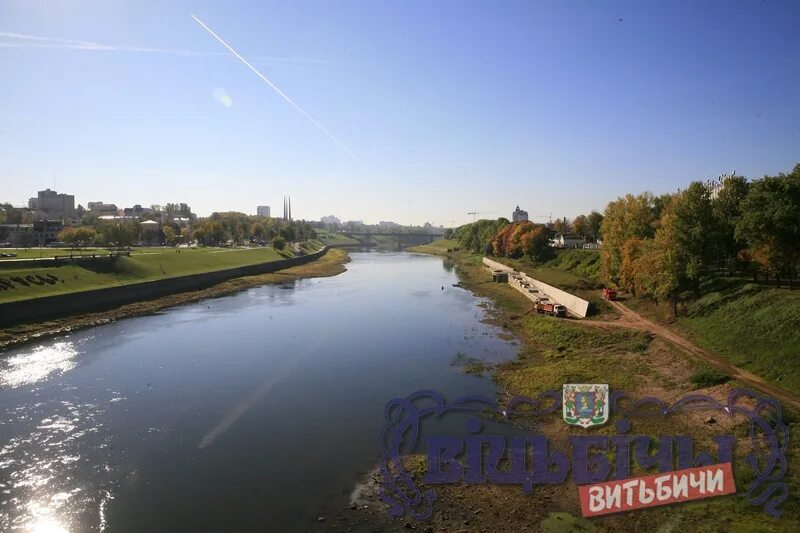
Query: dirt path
{"type": "Point", "coordinates": [633, 320]}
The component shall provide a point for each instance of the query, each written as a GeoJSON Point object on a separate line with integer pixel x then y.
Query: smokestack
{"type": "Point", "coordinates": [290, 209]}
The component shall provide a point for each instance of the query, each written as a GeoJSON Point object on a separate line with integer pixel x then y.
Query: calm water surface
{"type": "Point", "coordinates": [253, 411]}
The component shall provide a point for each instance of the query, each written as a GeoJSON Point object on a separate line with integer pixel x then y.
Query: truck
{"type": "Point", "coordinates": [609, 294]}
{"type": "Point", "coordinates": [551, 309]}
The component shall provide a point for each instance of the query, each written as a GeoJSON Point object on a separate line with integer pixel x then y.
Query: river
{"type": "Point", "coordinates": [261, 410]}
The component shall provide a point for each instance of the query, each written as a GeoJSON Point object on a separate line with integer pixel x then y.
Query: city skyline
{"type": "Point", "coordinates": [452, 108]}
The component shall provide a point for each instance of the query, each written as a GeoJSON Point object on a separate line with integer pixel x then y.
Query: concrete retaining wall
{"type": "Point", "coordinates": [59, 305]}
{"type": "Point", "coordinates": [576, 306]}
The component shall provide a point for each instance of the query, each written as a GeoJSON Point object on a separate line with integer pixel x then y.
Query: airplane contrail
{"type": "Point", "coordinates": [277, 90]}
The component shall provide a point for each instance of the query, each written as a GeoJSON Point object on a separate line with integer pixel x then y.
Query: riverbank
{"type": "Point", "coordinates": [26, 279]}
{"type": "Point", "coordinates": [330, 264]}
{"type": "Point", "coordinates": [557, 351]}
{"type": "Point", "coordinates": [440, 247]}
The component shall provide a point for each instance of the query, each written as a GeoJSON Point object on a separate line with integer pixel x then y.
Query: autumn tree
{"type": "Point", "coordinates": [625, 218]}
{"type": "Point", "coordinates": [580, 225]}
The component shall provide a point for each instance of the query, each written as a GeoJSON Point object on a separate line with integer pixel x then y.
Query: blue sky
{"type": "Point", "coordinates": [449, 107]}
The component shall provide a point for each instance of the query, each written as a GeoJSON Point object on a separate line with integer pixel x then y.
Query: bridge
{"type": "Point", "coordinates": [403, 239]}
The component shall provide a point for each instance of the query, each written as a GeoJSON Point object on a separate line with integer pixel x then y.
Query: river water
{"type": "Point", "coordinates": [254, 411]}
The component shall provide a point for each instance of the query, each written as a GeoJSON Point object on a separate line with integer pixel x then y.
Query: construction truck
{"type": "Point", "coordinates": [551, 309]}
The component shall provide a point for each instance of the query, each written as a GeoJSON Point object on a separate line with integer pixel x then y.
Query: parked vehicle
{"type": "Point", "coordinates": [609, 294]}
{"type": "Point", "coordinates": [551, 309]}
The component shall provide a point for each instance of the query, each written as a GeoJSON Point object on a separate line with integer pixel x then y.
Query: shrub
{"type": "Point", "coordinates": [708, 377]}
{"type": "Point", "coordinates": [279, 243]}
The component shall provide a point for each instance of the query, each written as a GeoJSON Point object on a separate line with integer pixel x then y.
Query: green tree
{"type": "Point", "coordinates": [770, 223]}
{"type": "Point", "coordinates": [694, 232]}
{"type": "Point", "coordinates": [727, 210]}
{"type": "Point", "coordinates": [169, 234]}
{"type": "Point", "coordinates": [279, 243]}
{"type": "Point", "coordinates": [594, 221]}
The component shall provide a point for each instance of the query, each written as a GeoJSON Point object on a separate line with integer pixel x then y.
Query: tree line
{"type": "Point", "coordinates": [219, 228]}
{"type": "Point", "coordinates": [662, 246]}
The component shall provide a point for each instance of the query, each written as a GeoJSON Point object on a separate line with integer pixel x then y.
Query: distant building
{"type": "Point", "coordinates": [715, 186]}
{"type": "Point", "coordinates": [40, 233]}
{"type": "Point", "coordinates": [262, 211]}
{"type": "Point", "coordinates": [567, 240]}
{"type": "Point", "coordinates": [51, 205]}
{"type": "Point", "coordinates": [388, 225]}
{"type": "Point", "coordinates": [519, 215]}
{"type": "Point", "coordinates": [137, 211]}
{"type": "Point", "coordinates": [151, 232]}
{"type": "Point", "coordinates": [100, 208]}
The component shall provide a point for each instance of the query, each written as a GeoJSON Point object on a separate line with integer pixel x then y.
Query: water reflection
{"type": "Point", "coordinates": [40, 363]}
{"type": "Point", "coordinates": [133, 425]}
{"type": "Point", "coordinates": [49, 468]}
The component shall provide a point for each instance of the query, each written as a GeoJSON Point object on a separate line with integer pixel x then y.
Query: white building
{"type": "Point", "coordinates": [569, 240]}
{"type": "Point", "coordinates": [262, 211]}
{"type": "Point", "coordinates": [519, 215]}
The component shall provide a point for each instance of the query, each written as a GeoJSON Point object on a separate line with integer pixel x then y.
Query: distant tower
{"type": "Point", "coordinates": [290, 209]}
{"type": "Point", "coordinates": [284, 208]}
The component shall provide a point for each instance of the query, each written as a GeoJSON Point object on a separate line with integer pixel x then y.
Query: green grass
{"type": "Point", "coordinates": [569, 270]}
{"type": "Point", "coordinates": [440, 247]}
{"type": "Point", "coordinates": [36, 253]}
{"type": "Point", "coordinates": [753, 326]}
{"type": "Point", "coordinates": [329, 237]}
{"type": "Point", "coordinates": [144, 264]}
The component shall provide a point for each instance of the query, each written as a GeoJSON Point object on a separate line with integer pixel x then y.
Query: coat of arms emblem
{"type": "Point", "coordinates": [585, 405]}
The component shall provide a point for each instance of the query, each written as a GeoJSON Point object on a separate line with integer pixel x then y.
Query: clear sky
{"type": "Point", "coordinates": [448, 107]}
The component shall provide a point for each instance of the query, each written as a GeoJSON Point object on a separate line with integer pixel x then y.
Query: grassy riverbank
{"type": "Point", "coordinates": [556, 351]}
{"type": "Point", "coordinates": [334, 239]}
{"type": "Point", "coordinates": [440, 247]}
{"type": "Point", "coordinates": [331, 264]}
{"type": "Point", "coordinates": [144, 264]}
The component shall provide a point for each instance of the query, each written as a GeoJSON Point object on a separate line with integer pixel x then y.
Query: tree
{"type": "Point", "coordinates": [727, 210]}
{"type": "Point", "coordinates": [693, 232]}
{"type": "Point", "coordinates": [624, 218]}
{"type": "Point", "coordinates": [593, 223]}
{"type": "Point", "coordinates": [169, 234]}
{"type": "Point", "coordinates": [279, 243]}
{"type": "Point", "coordinates": [523, 238]}
{"type": "Point", "coordinates": [259, 232]}
{"type": "Point", "coordinates": [118, 234]}
{"type": "Point", "coordinates": [770, 223]}
{"type": "Point", "coordinates": [536, 243]}
{"type": "Point", "coordinates": [477, 237]}
{"type": "Point", "coordinates": [580, 225]}
{"type": "Point", "coordinates": [562, 225]}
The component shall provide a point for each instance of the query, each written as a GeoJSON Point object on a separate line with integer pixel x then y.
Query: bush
{"type": "Point", "coordinates": [708, 377]}
{"type": "Point", "coordinates": [279, 243]}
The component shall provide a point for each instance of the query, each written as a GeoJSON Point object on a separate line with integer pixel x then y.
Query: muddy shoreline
{"type": "Point", "coordinates": [553, 352]}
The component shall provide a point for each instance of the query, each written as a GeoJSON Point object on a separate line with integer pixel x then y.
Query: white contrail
{"type": "Point", "coordinates": [22, 40]}
{"type": "Point", "coordinates": [277, 90]}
